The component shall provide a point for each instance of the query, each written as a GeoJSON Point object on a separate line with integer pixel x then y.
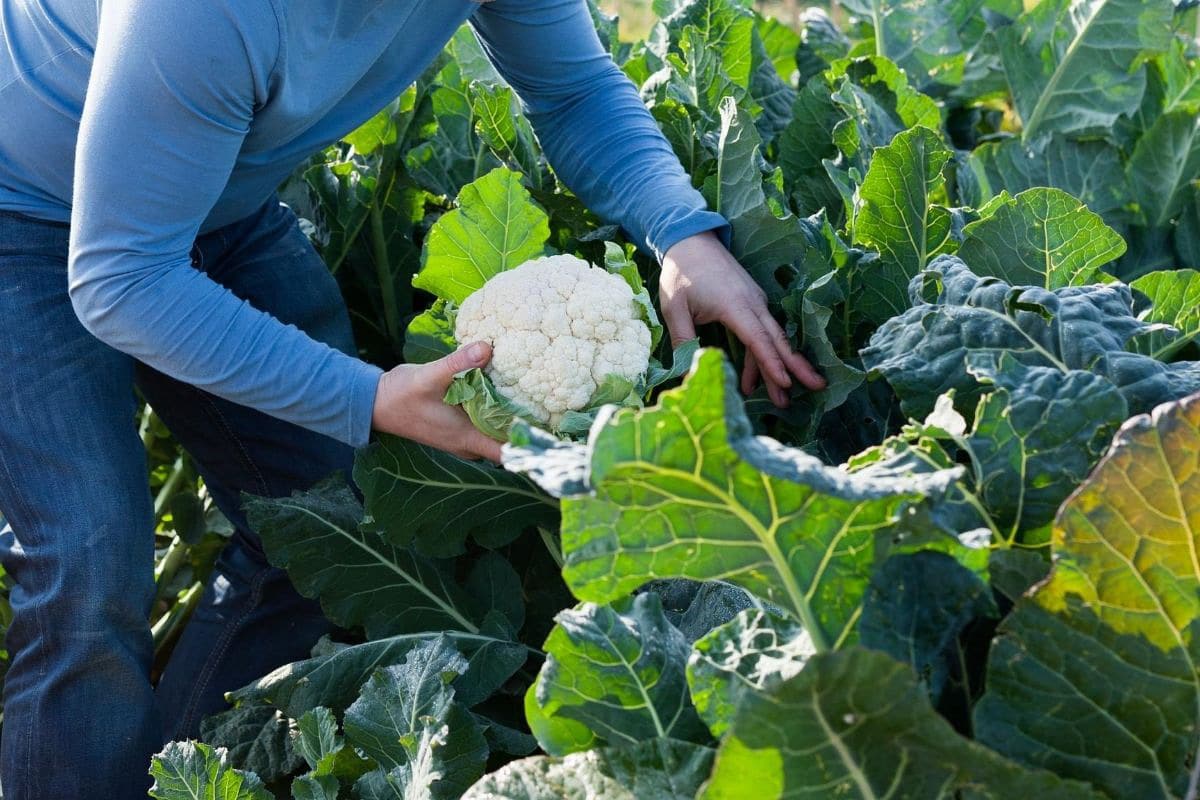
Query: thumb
{"type": "Point", "coordinates": [464, 358]}
{"type": "Point", "coordinates": [678, 317]}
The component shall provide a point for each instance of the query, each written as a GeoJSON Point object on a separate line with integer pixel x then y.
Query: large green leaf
{"type": "Point", "coordinates": [683, 489]}
{"type": "Point", "coordinates": [256, 738]}
{"type": "Point", "coordinates": [618, 670]}
{"type": "Point", "coordinates": [877, 104]}
{"type": "Point", "coordinates": [360, 578]}
{"type": "Point", "coordinates": [1163, 166]}
{"type": "Point", "coordinates": [923, 352]}
{"type": "Point", "coordinates": [333, 679]}
{"type": "Point", "coordinates": [855, 724]}
{"type": "Point", "coordinates": [761, 241]}
{"type": "Point", "coordinates": [496, 226]}
{"type": "Point", "coordinates": [1089, 170]}
{"type": "Point", "coordinates": [1037, 435]}
{"type": "Point", "coordinates": [1041, 237]}
{"type": "Point", "coordinates": [408, 721]}
{"type": "Point", "coordinates": [922, 38]}
{"type": "Point", "coordinates": [1072, 65]}
{"type": "Point", "coordinates": [752, 652]}
{"type": "Point", "coordinates": [426, 498]}
{"type": "Point", "coordinates": [1095, 674]}
{"type": "Point", "coordinates": [904, 217]}
{"type": "Point", "coordinates": [916, 608]}
{"type": "Point", "coordinates": [659, 769]}
{"type": "Point", "coordinates": [1174, 299]}
{"type": "Point", "coordinates": [194, 771]}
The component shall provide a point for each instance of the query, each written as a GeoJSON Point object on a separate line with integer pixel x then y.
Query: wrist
{"type": "Point", "coordinates": [696, 244]}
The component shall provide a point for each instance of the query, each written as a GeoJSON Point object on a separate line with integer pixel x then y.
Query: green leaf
{"type": "Point", "coordinates": [1163, 166]}
{"type": "Point", "coordinates": [416, 495]}
{"type": "Point", "coordinates": [500, 123]}
{"type": "Point", "coordinates": [855, 724]}
{"type": "Point", "coordinates": [490, 411]}
{"type": "Point", "coordinates": [811, 312]}
{"type": "Point", "coordinates": [923, 352]}
{"type": "Point", "coordinates": [333, 679]}
{"type": "Point", "coordinates": [255, 738]}
{"type": "Point", "coordinates": [194, 771]}
{"type": "Point", "coordinates": [754, 651]}
{"type": "Point", "coordinates": [804, 146]}
{"type": "Point", "coordinates": [496, 226]}
{"type": "Point", "coordinates": [921, 38]}
{"type": "Point", "coordinates": [359, 577]}
{"type": "Point", "coordinates": [1090, 170]}
{"type": "Point", "coordinates": [1174, 299]}
{"type": "Point", "coordinates": [877, 104]}
{"type": "Point", "coordinates": [659, 769]}
{"type": "Point", "coordinates": [317, 740]}
{"type": "Point", "coordinates": [619, 670]}
{"type": "Point", "coordinates": [430, 335]}
{"type": "Point", "coordinates": [1041, 237]}
{"type": "Point", "coordinates": [726, 505]}
{"type": "Point", "coordinates": [315, 787]}
{"type": "Point", "coordinates": [1037, 435]}
{"type": "Point", "coordinates": [1108, 644]}
{"type": "Point", "coordinates": [1072, 65]}
{"type": "Point", "coordinates": [903, 217]}
{"type": "Point", "coordinates": [762, 242]}
{"type": "Point", "coordinates": [407, 717]}
{"type": "Point", "coordinates": [917, 606]}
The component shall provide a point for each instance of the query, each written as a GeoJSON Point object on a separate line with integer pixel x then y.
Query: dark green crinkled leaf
{"type": "Point", "coordinates": [768, 518]}
{"type": "Point", "coordinates": [1094, 675]}
{"type": "Point", "coordinates": [407, 717]}
{"type": "Point", "coordinates": [659, 769]}
{"type": "Point", "coordinates": [754, 651]}
{"type": "Point", "coordinates": [856, 724]}
{"type": "Point", "coordinates": [495, 209]}
{"type": "Point", "coordinates": [359, 577]}
{"type": "Point", "coordinates": [696, 607]}
{"type": "Point", "coordinates": [1041, 237]}
{"type": "Point", "coordinates": [917, 606]}
{"type": "Point", "coordinates": [194, 771]}
{"type": "Point", "coordinates": [904, 217]}
{"type": "Point", "coordinates": [256, 738]}
{"type": "Point", "coordinates": [1174, 299]}
{"type": "Point", "coordinates": [923, 352]}
{"type": "Point", "coordinates": [431, 500]}
{"type": "Point", "coordinates": [1037, 435]}
{"type": "Point", "coordinates": [620, 671]}
{"type": "Point", "coordinates": [1071, 64]}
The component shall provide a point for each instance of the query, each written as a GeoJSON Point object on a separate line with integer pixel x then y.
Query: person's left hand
{"type": "Point", "coordinates": [702, 282]}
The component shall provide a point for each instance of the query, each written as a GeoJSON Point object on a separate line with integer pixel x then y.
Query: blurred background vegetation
{"type": "Point", "coordinates": [637, 16]}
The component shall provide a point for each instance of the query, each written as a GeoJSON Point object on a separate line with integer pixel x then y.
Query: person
{"type": "Point", "coordinates": [141, 244]}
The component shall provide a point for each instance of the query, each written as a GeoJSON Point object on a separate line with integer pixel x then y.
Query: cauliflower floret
{"type": "Point", "coordinates": [557, 327]}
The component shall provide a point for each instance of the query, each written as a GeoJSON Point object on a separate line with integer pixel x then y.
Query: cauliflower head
{"type": "Point", "coordinates": [559, 329]}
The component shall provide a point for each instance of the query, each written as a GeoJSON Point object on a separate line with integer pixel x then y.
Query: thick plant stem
{"type": "Point", "coordinates": [170, 485]}
{"type": "Point", "coordinates": [170, 623]}
{"type": "Point", "coordinates": [383, 271]}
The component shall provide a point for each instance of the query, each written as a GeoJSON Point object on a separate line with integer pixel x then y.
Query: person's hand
{"type": "Point", "coordinates": [409, 403]}
{"type": "Point", "coordinates": [701, 282]}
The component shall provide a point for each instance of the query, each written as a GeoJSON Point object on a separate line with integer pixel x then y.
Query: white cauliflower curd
{"type": "Point", "coordinates": [560, 330]}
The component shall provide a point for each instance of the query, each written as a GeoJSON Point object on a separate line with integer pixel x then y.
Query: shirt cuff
{"type": "Point", "coordinates": [694, 222]}
{"type": "Point", "coordinates": [364, 384]}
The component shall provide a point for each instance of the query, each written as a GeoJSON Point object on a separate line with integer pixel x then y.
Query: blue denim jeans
{"type": "Point", "coordinates": [81, 719]}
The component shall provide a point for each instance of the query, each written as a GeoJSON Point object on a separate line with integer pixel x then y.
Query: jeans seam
{"type": "Point", "coordinates": [38, 614]}
{"type": "Point", "coordinates": [243, 452]}
{"type": "Point", "coordinates": [228, 632]}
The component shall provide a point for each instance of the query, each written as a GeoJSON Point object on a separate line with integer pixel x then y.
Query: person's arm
{"type": "Point", "coordinates": [173, 89]}
{"type": "Point", "coordinates": [608, 150]}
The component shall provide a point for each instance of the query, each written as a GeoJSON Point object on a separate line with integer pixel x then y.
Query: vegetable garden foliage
{"type": "Point", "coordinates": [966, 569]}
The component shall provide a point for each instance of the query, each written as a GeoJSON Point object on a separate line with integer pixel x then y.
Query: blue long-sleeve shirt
{"type": "Point", "coordinates": [197, 109]}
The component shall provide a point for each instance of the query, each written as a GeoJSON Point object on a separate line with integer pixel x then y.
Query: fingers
{"type": "Point", "coordinates": [679, 320]}
{"type": "Point", "coordinates": [796, 364]}
{"type": "Point", "coordinates": [479, 445]}
{"type": "Point", "coordinates": [750, 373]}
{"type": "Point", "coordinates": [750, 329]}
{"type": "Point", "coordinates": [464, 358]}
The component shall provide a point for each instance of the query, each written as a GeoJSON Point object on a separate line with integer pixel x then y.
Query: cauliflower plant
{"type": "Point", "coordinates": [566, 337]}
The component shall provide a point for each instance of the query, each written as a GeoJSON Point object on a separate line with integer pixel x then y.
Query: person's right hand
{"type": "Point", "coordinates": [409, 403]}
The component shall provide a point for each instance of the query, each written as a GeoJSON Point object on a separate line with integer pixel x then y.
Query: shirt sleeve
{"type": "Point", "coordinates": [591, 122]}
{"type": "Point", "coordinates": [173, 89]}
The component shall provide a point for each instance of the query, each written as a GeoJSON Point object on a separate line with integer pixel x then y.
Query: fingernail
{"type": "Point", "coordinates": [477, 351]}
